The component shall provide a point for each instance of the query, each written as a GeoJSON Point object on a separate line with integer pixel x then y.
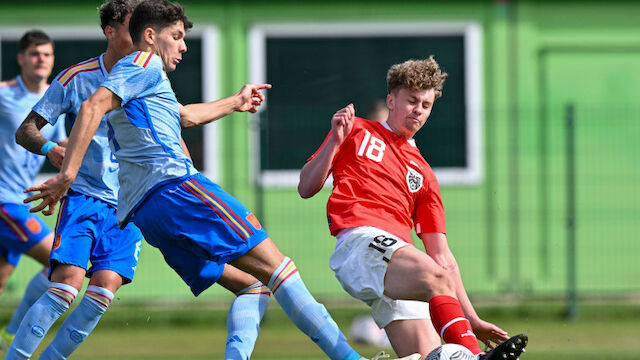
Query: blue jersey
{"type": "Point", "coordinates": [18, 166]}
{"type": "Point", "coordinates": [146, 130]}
{"type": "Point", "coordinates": [98, 174]}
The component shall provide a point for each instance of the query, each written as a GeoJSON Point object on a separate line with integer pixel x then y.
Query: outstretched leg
{"type": "Point", "coordinates": [246, 312]}
{"type": "Point", "coordinates": [268, 264]}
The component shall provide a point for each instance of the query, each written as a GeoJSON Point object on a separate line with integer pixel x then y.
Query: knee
{"type": "Point", "coordinates": [3, 283]}
{"type": "Point", "coordinates": [106, 279]}
{"type": "Point", "coordinates": [439, 282]}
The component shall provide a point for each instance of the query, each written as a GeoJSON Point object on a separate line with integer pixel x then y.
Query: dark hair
{"type": "Point", "coordinates": [156, 14]}
{"type": "Point", "coordinates": [32, 37]}
{"type": "Point", "coordinates": [113, 12]}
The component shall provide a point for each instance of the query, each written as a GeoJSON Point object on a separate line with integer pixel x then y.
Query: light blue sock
{"type": "Point", "coordinates": [37, 286]}
{"type": "Point", "coordinates": [79, 324]}
{"type": "Point", "coordinates": [307, 314]}
{"type": "Point", "coordinates": [243, 321]}
{"type": "Point", "coordinates": [37, 321]}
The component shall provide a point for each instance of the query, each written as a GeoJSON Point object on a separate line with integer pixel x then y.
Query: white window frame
{"type": "Point", "coordinates": [210, 36]}
{"type": "Point", "coordinates": [472, 33]}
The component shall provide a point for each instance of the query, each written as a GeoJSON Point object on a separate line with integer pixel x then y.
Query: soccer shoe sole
{"type": "Point", "coordinates": [510, 349]}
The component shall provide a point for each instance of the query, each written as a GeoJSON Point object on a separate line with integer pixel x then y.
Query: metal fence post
{"type": "Point", "coordinates": [572, 296]}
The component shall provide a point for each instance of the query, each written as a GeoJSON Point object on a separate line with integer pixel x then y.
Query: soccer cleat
{"type": "Point", "coordinates": [5, 338]}
{"type": "Point", "coordinates": [508, 350]}
{"type": "Point", "coordinates": [383, 355]}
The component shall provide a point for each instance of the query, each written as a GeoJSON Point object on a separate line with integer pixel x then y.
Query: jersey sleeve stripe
{"type": "Point", "coordinates": [74, 66]}
{"type": "Point", "coordinates": [9, 83]}
{"type": "Point", "coordinates": [75, 69]}
{"type": "Point", "coordinates": [135, 60]}
{"type": "Point", "coordinates": [147, 62]}
{"type": "Point", "coordinates": [142, 58]}
{"type": "Point", "coordinates": [79, 71]}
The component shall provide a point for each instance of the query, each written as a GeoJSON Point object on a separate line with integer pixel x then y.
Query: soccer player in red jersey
{"type": "Point", "coordinates": [382, 188]}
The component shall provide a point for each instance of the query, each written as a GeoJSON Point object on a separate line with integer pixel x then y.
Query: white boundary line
{"type": "Point", "coordinates": [472, 33]}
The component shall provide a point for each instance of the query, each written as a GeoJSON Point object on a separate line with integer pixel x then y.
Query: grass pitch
{"type": "Point", "coordinates": [199, 333]}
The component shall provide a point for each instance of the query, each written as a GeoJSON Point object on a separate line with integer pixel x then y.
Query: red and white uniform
{"type": "Point", "coordinates": [380, 179]}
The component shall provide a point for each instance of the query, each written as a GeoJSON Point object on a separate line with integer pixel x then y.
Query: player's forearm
{"type": "Point", "coordinates": [461, 293]}
{"type": "Point", "coordinates": [437, 248]}
{"type": "Point", "coordinates": [199, 114]}
{"type": "Point", "coordinates": [84, 128]}
{"type": "Point", "coordinates": [28, 134]}
{"type": "Point", "coordinates": [316, 171]}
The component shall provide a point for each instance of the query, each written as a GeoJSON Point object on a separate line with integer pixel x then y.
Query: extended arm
{"type": "Point", "coordinates": [86, 125]}
{"type": "Point", "coordinates": [29, 137]}
{"type": "Point", "coordinates": [316, 171]}
{"type": "Point", "coordinates": [437, 247]}
{"type": "Point", "coordinates": [249, 98]}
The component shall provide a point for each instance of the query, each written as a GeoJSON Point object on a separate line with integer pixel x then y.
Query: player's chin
{"type": "Point", "coordinates": [170, 67]}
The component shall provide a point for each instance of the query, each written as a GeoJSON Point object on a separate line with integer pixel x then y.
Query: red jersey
{"type": "Point", "coordinates": [381, 180]}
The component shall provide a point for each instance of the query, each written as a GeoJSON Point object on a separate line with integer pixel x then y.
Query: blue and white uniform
{"type": "Point", "coordinates": [19, 229]}
{"type": "Point", "coordinates": [87, 228]}
{"type": "Point", "coordinates": [189, 218]}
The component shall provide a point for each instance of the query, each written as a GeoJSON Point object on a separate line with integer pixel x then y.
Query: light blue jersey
{"type": "Point", "coordinates": [146, 130]}
{"type": "Point", "coordinates": [98, 174]}
{"type": "Point", "coordinates": [18, 167]}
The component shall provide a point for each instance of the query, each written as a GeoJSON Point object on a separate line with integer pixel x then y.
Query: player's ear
{"type": "Point", "coordinates": [109, 31]}
{"type": "Point", "coordinates": [391, 99]}
{"type": "Point", "coordinates": [20, 58]}
{"type": "Point", "coordinates": [149, 36]}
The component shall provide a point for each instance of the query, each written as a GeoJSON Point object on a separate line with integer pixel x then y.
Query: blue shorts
{"type": "Point", "coordinates": [87, 230]}
{"type": "Point", "coordinates": [20, 230]}
{"type": "Point", "coordinates": [196, 272]}
{"type": "Point", "coordinates": [194, 222]}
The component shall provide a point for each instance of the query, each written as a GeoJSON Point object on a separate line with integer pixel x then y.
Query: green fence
{"type": "Point", "coordinates": [509, 232]}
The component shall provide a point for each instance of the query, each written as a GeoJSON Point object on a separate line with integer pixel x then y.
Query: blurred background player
{"type": "Point", "coordinates": [111, 269]}
{"type": "Point", "coordinates": [199, 218]}
{"type": "Point", "coordinates": [372, 216]}
{"type": "Point", "coordinates": [378, 111]}
{"type": "Point", "coordinates": [86, 228]}
{"type": "Point", "coordinates": [20, 231]}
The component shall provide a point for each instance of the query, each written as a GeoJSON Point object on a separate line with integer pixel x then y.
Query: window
{"type": "Point", "coordinates": [316, 69]}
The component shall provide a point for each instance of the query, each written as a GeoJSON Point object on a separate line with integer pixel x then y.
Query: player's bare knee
{"type": "Point", "coordinates": [439, 282]}
{"type": "Point", "coordinates": [4, 278]}
{"type": "Point", "coordinates": [106, 279]}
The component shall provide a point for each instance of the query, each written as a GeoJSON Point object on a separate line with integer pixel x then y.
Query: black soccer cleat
{"type": "Point", "coordinates": [508, 350]}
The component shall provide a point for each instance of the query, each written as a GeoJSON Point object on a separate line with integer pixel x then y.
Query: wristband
{"type": "Point", "coordinates": [47, 146]}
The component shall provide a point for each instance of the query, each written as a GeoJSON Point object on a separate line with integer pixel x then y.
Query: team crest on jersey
{"type": "Point", "coordinates": [414, 180]}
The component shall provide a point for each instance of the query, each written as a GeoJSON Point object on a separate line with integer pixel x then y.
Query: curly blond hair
{"type": "Point", "coordinates": [416, 75]}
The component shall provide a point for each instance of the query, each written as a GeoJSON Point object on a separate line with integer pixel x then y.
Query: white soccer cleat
{"type": "Point", "coordinates": [383, 355]}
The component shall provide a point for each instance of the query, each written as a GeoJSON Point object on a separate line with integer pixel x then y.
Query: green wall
{"type": "Point", "coordinates": [509, 231]}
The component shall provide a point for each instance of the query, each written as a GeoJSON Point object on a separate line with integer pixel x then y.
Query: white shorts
{"type": "Point", "coordinates": [360, 263]}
